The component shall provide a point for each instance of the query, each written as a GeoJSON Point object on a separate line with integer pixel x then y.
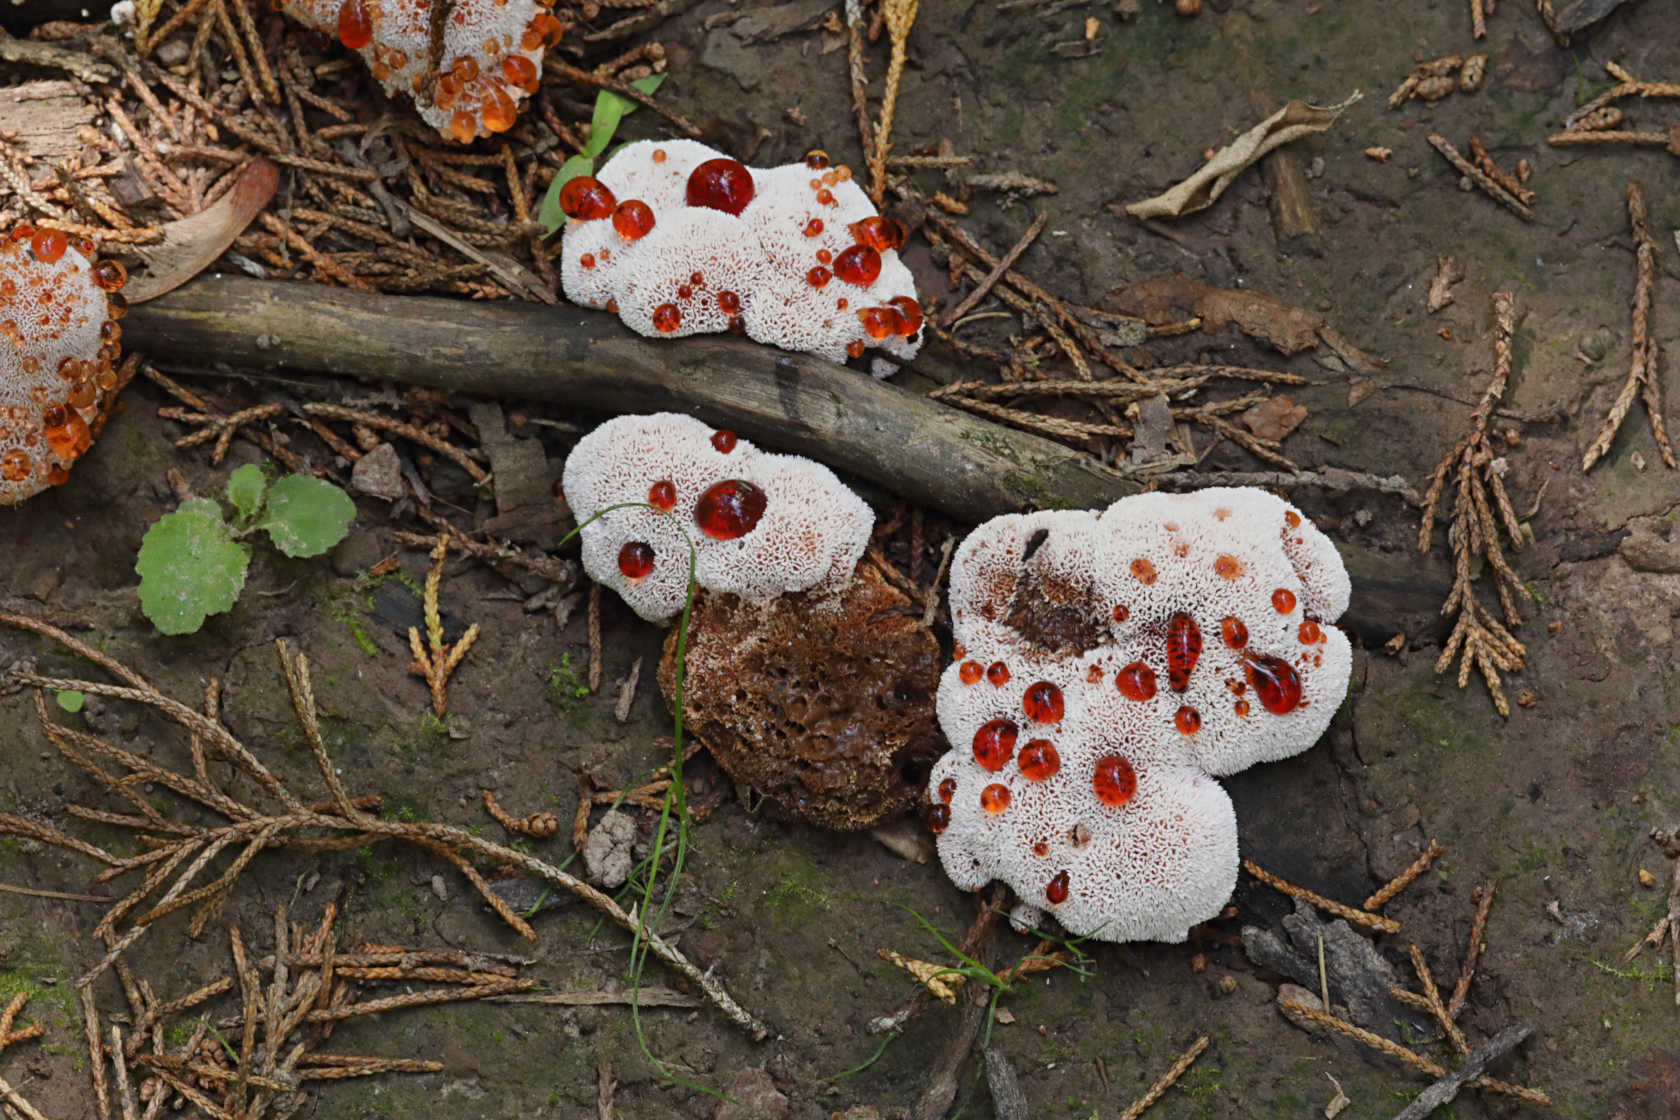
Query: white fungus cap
{"type": "Point", "coordinates": [483, 33]}
{"type": "Point", "coordinates": [809, 536]}
{"type": "Point", "coordinates": [764, 256]}
{"type": "Point", "coordinates": [1086, 606]}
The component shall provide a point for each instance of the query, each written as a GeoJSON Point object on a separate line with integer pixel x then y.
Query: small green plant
{"type": "Point", "coordinates": [192, 562]}
{"type": "Point", "coordinates": [565, 687]}
{"type": "Point", "coordinates": [70, 700]}
{"type": "Point", "coordinates": [610, 108]}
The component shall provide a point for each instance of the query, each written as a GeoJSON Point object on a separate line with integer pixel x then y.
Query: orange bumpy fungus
{"type": "Point", "coordinates": [493, 51]}
{"type": "Point", "coordinates": [59, 342]}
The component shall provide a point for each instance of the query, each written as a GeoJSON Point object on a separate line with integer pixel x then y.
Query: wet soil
{"type": "Point", "coordinates": [1555, 803]}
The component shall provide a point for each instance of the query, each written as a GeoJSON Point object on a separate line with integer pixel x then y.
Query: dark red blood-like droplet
{"type": "Point", "coordinates": [1121, 612]}
{"type": "Point", "coordinates": [1143, 571]}
{"type": "Point", "coordinates": [813, 227]}
{"type": "Point", "coordinates": [724, 440]}
{"type": "Point", "coordinates": [355, 29]}
{"type": "Point", "coordinates": [721, 184]}
{"type": "Point", "coordinates": [697, 279]}
{"type": "Point", "coordinates": [824, 256]}
{"type": "Point", "coordinates": [667, 318]}
{"type": "Point", "coordinates": [1241, 708]}
{"type": "Point", "coordinates": [1136, 681]}
{"type": "Point", "coordinates": [1042, 702]}
{"type": "Point", "coordinates": [947, 789]}
{"type": "Point", "coordinates": [998, 673]}
{"type": "Point", "coordinates": [587, 199]}
{"type": "Point", "coordinates": [880, 322]}
{"type": "Point", "coordinates": [633, 219]}
{"type": "Point", "coordinates": [587, 260]}
{"type": "Point", "coordinates": [1188, 720]}
{"type": "Point", "coordinates": [1310, 633]}
{"type": "Point", "coordinates": [858, 265]}
{"type": "Point", "coordinates": [1227, 566]}
{"type": "Point", "coordinates": [1039, 760]}
{"type": "Point", "coordinates": [110, 275]}
{"type": "Point", "coordinates": [878, 233]}
{"type": "Point", "coordinates": [1231, 628]}
{"type": "Point", "coordinates": [49, 245]}
{"type": "Point", "coordinates": [684, 292]}
{"type": "Point", "coordinates": [663, 494]}
{"type": "Point", "coordinates": [729, 302]}
{"type": "Point", "coordinates": [994, 743]}
{"type": "Point", "coordinates": [1184, 646]}
{"type": "Point", "coordinates": [1275, 682]}
{"type": "Point", "coordinates": [1115, 781]}
{"type": "Point", "coordinates": [1283, 600]}
{"type": "Point", "coordinates": [854, 348]}
{"type": "Point", "coordinates": [635, 560]}
{"type": "Point", "coordinates": [730, 509]}
{"type": "Point", "coordinates": [908, 310]}
{"type": "Point", "coordinates": [938, 818]}
{"type": "Point", "coordinates": [994, 798]}
{"type": "Point", "coordinates": [1040, 848]}
{"type": "Point", "coordinates": [1057, 889]}
{"type": "Point", "coordinates": [817, 277]}
{"type": "Point", "coordinates": [737, 325]}
{"type": "Point", "coordinates": [969, 672]}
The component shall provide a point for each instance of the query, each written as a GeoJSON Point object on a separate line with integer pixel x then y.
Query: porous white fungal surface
{"type": "Point", "coordinates": [479, 90]}
{"type": "Point", "coordinates": [59, 342]}
{"type": "Point", "coordinates": [1086, 602]}
{"type": "Point", "coordinates": [810, 535]}
{"type": "Point", "coordinates": [763, 256]}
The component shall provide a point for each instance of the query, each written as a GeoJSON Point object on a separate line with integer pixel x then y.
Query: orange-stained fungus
{"type": "Point", "coordinates": [858, 265]}
{"type": "Point", "coordinates": [1136, 681]}
{"type": "Point", "coordinates": [1227, 566]}
{"type": "Point", "coordinates": [994, 743]}
{"type": "Point", "coordinates": [730, 509]}
{"type": "Point", "coordinates": [1291, 518]}
{"type": "Point", "coordinates": [1184, 647]}
{"type": "Point", "coordinates": [1275, 682]}
{"type": "Point", "coordinates": [633, 219]}
{"type": "Point", "coordinates": [1042, 702]}
{"type": "Point", "coordinates": [1094, 674]}
{"type": "Point", "coordinates": [1115, 781]}
{"type": "Point", "coordinates": [667, 318]}
{"type": "Point", "coordinates": [635, 560]}
{"type": "Point", "coordinates": [1143, 571]}
{"type": "Point", "coordinates": [720, 184]}
{"type": "Point", "coordinates": [1039, 761]}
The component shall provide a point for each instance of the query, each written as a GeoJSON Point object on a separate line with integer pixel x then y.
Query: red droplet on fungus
{"type": "Point", "coordinates": [633, 219]}
{"type": "Point", "coordinates": [1136, 681]}
{"type": "Point", "coordinates": [994, 743]}
{"type": "Point", "coordinates": [1231, 628]}
{"type": "Point", "coordinates": [730, 509]}
{"type": "Point", "coordinates": [1039, 761]}
{"type": "Point", "coordinates": [1042, 702]}
{"type": "Point", "coordinates": [1114, 781]}
{"type": "Point", "coordinates": [947, 789]}
{"type": "Point", "coordinates": [720, 184]}
{"type": "Point", "coordinates": [938, 818]}
{"type": "Point", "coordinates": [635, 560]}
{"type": "Point", "coordinates": [587, 199]}
{"type": "Point", "coordinates": [994, 798]}
{"type": "Point", "coordinates": [663, 494]}
{"type": "Point", "coordinates": [1275, 682]}
{"type": "Point", "coordinates": [1188, 720]}
{"type": "Point", "coordinates": [878, 233]}
{"type": "Point", "coordinates": [724, 440]}
{"type": "Point", "coordinates": [1184, 647]}
{"type": "Point", "coordinates": [969, 672]}
{"type": "Point", "coordinates": [1056, 891]}
{"type": "Point", "coordinates": [1283, 600]}
{"type": "Point", "coordinates": [858, 265]}
{"type": "Point", "coordinates": [355, 29]}
{"type": "Point", "coordinates": [998, 674]}
{"type": "Point", "coordinates": [667, 318]}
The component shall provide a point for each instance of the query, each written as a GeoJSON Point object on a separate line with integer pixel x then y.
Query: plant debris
{"type": "Point", "coordinates": [440, 663]}
{"type": "Point", "coordinates": [1478, 637]}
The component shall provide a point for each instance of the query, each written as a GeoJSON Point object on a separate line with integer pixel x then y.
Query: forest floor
{"type": "Point", "coordinates": [1556, 803]}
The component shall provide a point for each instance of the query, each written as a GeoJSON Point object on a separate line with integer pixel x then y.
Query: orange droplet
{"type": "Point", "coordinates": [858, 265]}
{"type": "Point", "coordinates": [1056, 891]}
{"type": "Point", "coordinates": [463, 126]}
{"type": "Point", "coordinates": [586, 199]}
{"type": "Point", "coordinates": [499, 110]}
{"type": "Point", "coordinates": [663, 494]}
{"type": "Point", "coordinates": [1188, 720]}
{"type": "Point", "coordinates": [730, 509]}
{"type": "Point", "coordinates": [1231, 628]}
{"type": "Point", "coordinates": [355, 29]}
{"type": "Point", "coordinates": [109, 275]}
{"type": "Point", "coordinates": [1291, 518]}
{"type": "Point", "coordinates": [635, 560]}
{"type": "Point", "coordinates": [994, 743]}
{"type": "Point", "coordinates": [14, 465]}
{"type": "Point", "coordinates": [816, 159]}
{"type": "Point", "coordinates": [1309, 633]}
{"type": "Point", "coordinates": [724, 440]}
{"type": "Point", "coordinates": [633, 219]}
{"type": "Point", "coordinates": [1136, 681]}
{"type": "Point", "coordinates": [813, 227]}
{"type": "Point", "coordinates": [729, 302]}
{"type": "Point", "coordinates": [48, 245]}
{"type": "Point", "coordinates": [970, 672]}
{"type": "Point", "coordinates": [666, 318]}
{"type": "Point", "coordinates": [994, 798]}
{"type": "Point", "coordinates": [998, 674]}
{"type": "Point", "coordinates": [879, 322]}
{"type": "Point", "coordinates": [1143, 571]}
{"type": "Point", "coordinates": [878, 233]}
{"type": "Point", "coordinates": [947, 789]}
{"type": "Point", "coordinates": [938, 818]}
{"type": "Point", "coordinates": [1115, 781]}
{"type": "Point", "coordinates": [1227, 566]}
{"type": "Point", "coordinates": [1039, 761]}
{"type": "Point", "coordinates": [520, 72]}
{"type": "Point", "coordinates": [817, 277]}
{"type": "Point", "coordinates": [1283, 600]}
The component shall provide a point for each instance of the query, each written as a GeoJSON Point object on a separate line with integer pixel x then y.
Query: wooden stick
{"type": "Point", "coordinates": [929, 454]}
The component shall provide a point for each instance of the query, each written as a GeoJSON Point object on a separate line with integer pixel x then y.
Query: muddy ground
{"type": "Point", "coordinates": [1555, 803]}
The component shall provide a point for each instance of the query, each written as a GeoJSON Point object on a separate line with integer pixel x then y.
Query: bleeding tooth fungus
{"type": "Point", "coordinates": [59, 342]}
{"type": "Point", "coordinates": [781, 253]}
{"type": "Point", "coordinates": [1110, 819]}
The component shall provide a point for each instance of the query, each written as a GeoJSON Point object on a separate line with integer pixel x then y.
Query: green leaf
{"type": "Point", "coordinates": [70, 700]}
{"type": "Point", "coordinates": [610, 108]}
{"type": "Point", "coordinates": [189, 567]}
{"type": "Point", "coordinates": [549, 213]}
{"type": "Point", "coordinates": [245, 490]}
{"type": "Point", "coordinates": [306, 516]}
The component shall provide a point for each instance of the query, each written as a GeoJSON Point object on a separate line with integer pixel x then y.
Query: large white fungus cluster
{"type": "Point", "coordinates": [762, 525]}
{"type": "Point", "coordinates": [1108, 666]}
{"type": "Point", "coordinates": [491, 61]}
{"type": "Point", "coordinates": [678, 239]}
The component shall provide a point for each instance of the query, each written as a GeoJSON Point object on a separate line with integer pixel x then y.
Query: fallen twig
{"type": "Point", "coordinates": [1476, 175]}
{"type": "Point", "coordinates": [1359, 917]}
{"type": "Point", "coordinates": [1166, 1080]}
{"type": "Point", "coordinates": [1483, 896]}
{"type": "Point", "coordinates": [1403, 880]}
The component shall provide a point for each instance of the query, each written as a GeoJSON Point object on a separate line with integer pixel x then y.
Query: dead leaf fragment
{"type": "Point", "coordinates": [1202, 189]}
{"type": "Point", "coordinates": [1274, 417]}
{"type": "Point", "coordinates": [940, 981]}
{"type": "Point", "coordinates": [1646, 879]}
{"type": "Point", "coordinates": [1440, 288]}
{"type": "Point", "coordinates": [191, 245]}
{"type": "Point", "coordinates": [1379, 154]}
